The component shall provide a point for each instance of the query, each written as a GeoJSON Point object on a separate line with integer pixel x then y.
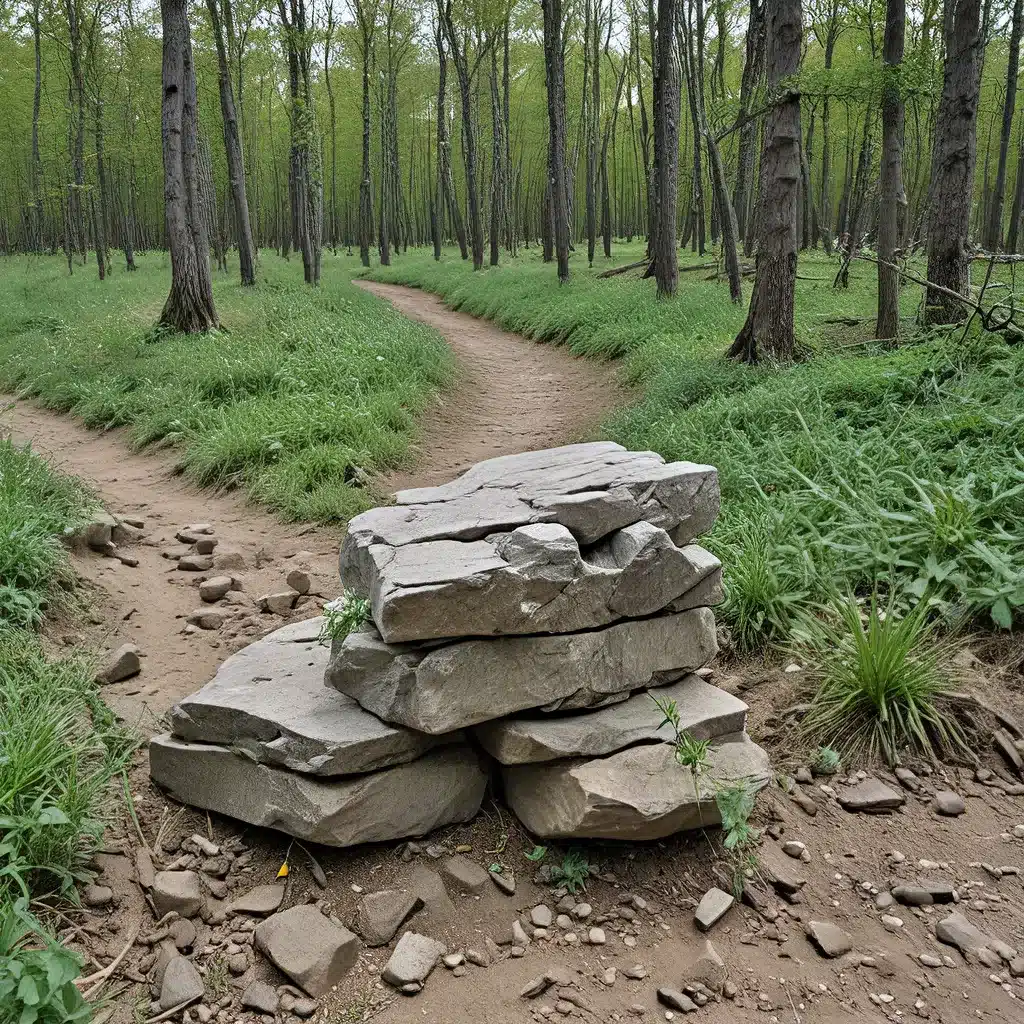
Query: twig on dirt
{"type": "Point", "coordinates": [95, 981]}
{"type": "Point", "coordinates": [173, 1010]}
{"type": "Point", "coordinates": [796, 1016]}
{"type": "Point", "coordinates": [131, 808]}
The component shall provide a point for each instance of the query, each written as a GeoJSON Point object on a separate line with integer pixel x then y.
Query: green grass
{"type": "Point", "coordinates": [860, 467]}
{"type": "Point", "coordinates": [60, 748]}
{"type": "Point", "coordinates": [882, 689]}
{"type": "Point", "coordinates": [301, 392]}
{"type": "Point", "coordinates": [36, 507]}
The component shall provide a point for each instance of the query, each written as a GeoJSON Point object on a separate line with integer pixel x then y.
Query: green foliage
{"type": "Point", "coordinates": [36, 973]}
{"type": "Point", "coordinates": [343, 615]}
{"type": "Point", "coordinates": [37, 506]}
{"type": "Point", "coordinates": [538, 853]}
{"type": "Point", "coordinates": [303, 393]}
{"type": "Point", "coordinates": [882, 690]}
{"type": "Point", "coordinates": [735, 804]}
{"type": "Point", "coordinates": [61, 748]}
{"type": "Point", "coordinates": [826, 761]}
{"type": "Point", "coordinates": [691, 752]}
{"type": "Point", "coordinates": [572, 873]}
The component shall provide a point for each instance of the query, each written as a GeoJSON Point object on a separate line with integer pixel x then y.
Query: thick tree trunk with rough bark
{"type": "Point", "coordinates": [892, 203]}
{"type": "Point", "coordinates": [768, 331]}
{"type": "Point", "coordinates": [189, 307]}
{"type": "Point", "coordinates": [994, 230]}
{"type": "Point", "coordinates": [666, 149]}
{"type": "Point", "coordinates": [233, 147]}
{"type": "Point", "coordinates": [953, 158]}
{"type": "Point", "coordinates": [555, 76]}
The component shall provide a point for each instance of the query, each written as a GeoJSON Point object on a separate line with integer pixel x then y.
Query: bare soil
{"type": "Point", "coordinates": [505, 403]}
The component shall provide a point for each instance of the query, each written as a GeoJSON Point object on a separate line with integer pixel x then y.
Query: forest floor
{"type": "Point", "coordinates": [778, 973]}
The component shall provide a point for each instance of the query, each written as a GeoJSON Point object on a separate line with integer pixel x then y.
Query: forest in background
{"type": "Point", "coordinates": [80, 157]}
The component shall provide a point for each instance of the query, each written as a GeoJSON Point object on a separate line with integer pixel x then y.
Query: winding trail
{"type": "Point", "coordinates": [513, 395]}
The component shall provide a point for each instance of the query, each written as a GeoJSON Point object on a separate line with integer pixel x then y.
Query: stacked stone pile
{"type": "Point", "coordinates": [522, 611]}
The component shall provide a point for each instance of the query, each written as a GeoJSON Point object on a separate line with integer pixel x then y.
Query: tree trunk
{"type": "Point", "coordinates": [233, 147]}
{"type": "Point", "coordinates": [555, 77]}
{"type": "Point", "coordinates": [953, 158]}
{"type": "Point", "coordinates": [76, 96]}
{"type": "Point", "coordinates": [37, 169]}
{"type": "Point", "coordinates": [446, 184]}
{"type": "Point", "coordinates": [666, 150]}
{"type": "Point", "coordinates": [768, 331]}
{"type": "Point", "coordinates": [753, 69]}
{"type": "Point", "coordinates": [101, 217]}
{"type": "Point", "coordinates": [892, 205]}
{"type": "Point", "coordinates": [189, 307]}
{"type": "Point", "coordinates": [497, 159]}
{"type": "Point", "coordinates": [994, 231]}
{"type": "Point", "coordinates": [367, 26]}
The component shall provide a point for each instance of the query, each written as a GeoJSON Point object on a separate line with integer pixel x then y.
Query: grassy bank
{"type": "Point", "coordinates": [60, 748]}
{"type": "Point", "coordinates": [300, 391]}
{"type": "Point", "coordinates": [859, 467]}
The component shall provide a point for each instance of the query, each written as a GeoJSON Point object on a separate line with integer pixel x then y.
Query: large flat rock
{"type": "Point", "coordinates": [532, 580]}
{"type": "Point", "coordinates": [637, 794]}
{"type": "Point", "coordinates": [269, 700]}
{"type": "Point", "coordinates": [592, 489]}
{"type": "Point", "coordinates": [705, 711]}
{"type": "Point", "coordinates": [442, 688]}
{"type": "Point", "coordinates": [444, 786]}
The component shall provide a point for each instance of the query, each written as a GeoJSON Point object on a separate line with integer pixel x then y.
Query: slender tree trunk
{"type": "Point", "coordinates": [497, 159]}
{"type": "Point", "coordinates": [666, 149]}
{"type": "Point", "coordinates": [953, 158]}
{"type": "Point", "coordinates": [768, 331]}
{"type": "Point", "coordinates": [233, 147]}
{"type": "Point", "coordinates": [994, 230]}
{"type": "Point", "coordinates": [753, 71]}
{"type": "Point", "coordinates": [365, 20]}
{"type": "Point", "coordinates": [1018, 200]}
{"type": "Point", "coordinates": [446, 184]}
{"type": "Point", "coordinates": [555, 76]}
{"type": "Point", "coordinates": [892, 205]}
{"type": "Point", "coordinates": [76, 90]}
{"type": "Point", "coordinates": [37, 168]}
{"type": "Point", "coordinates": [189, 307]}
{"type": "Point", "coordinates": [102, 216]}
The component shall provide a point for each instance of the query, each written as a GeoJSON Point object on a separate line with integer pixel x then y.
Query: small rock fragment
{"type": "Point", "coordinates": [829, 938]}
{"type": "Point", "coordinates": [179, 891]}
{"type": "Point", "coordinates": [949, 804]}
{"type": "Point", "coordinates": [712, 908]}
{"type": "Point", "coordinates": [259, 996]}
{"type": "Point", "coordinates": [122, 664]}
{"type": "Point", "coordinates": [414, 958]}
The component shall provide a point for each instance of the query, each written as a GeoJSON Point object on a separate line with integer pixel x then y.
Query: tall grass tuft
{"type": "Point", "coordinates": [882, 691]}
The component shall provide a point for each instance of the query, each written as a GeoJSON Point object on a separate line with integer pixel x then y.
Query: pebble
{"type": "Point", "coordinates": [541, 916]}
{"type": "Point", "coordinates": [453, 960]}
{"type": "Point", "coordinates": [596, 937]}
{"type": "Point", "coordinates": [794, 848]}
{"type": "Point", "coordinates": [581, 911]}
{"type": "Point", "coordinates": [929, 960]}
{"type": "Point", "coordinates": [608, 978]}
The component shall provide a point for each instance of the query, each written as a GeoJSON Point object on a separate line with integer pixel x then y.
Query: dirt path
{"type": "Point", "coordinates": [513, 395]}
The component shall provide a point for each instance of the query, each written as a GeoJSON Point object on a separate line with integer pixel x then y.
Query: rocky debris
{"type": "Point", "coordinates": [676, 1000]}
{"type": "Point", "coordinates": [546, 586]}
{"type": "Point", "coordinates": [707, 970]}
{"type": "Point", "coordinates": [638, 793]}
{"type": "Point", "coordinates": [541, 916]}
{"type": "Point", "coordinates": [122, 664]}
{"type": "Point", "coordinates": [206, 618]}
{"type": "Point", "coordinates": [269, 700]}
{"type": "Point", "coordinates": [313, 951]}
{"type": "Point", "coordinates": [206, 545]}
{"type": "Point", "coordinates": [260, 901]}
{"type": "Point", "coordinates": [381, 914]}
{"type": "Point", "coordinates": [463, 875]}
{"type": "Point", "coordinates": [438, 689]}
{"type": "Point", "coordinates": [794, 848]}
{"type": "Point", "coordinates": [216, 587]}
{"type": "Point", "coordinates": [414, 958]}
{"type": "Point", "coordinates": [830, 939]}
{"type": "Point", "coordinates": [1004, 744]}
{"type": "Point", "coordinates": [870, 796]}
{"type": "Point", "coordinates": [705, 712]}
{"type": "Point", "coordinates": [505, 880]}
{"type": "Point", "coordinates": [924, 894]}
{"type": "Point", "coordinates": [144, 870]}
{"type": "Point", "coordinates": [713, 906]}
{"type": "Point", "coordinates": [592, 489]}
{"type": "Point", "coordinates": [948, 803]}
{"type": "Point", "coordinates": [299, 581]}
{"type": "Point", "coordinates": [97, 896]}
{"type": "Point", "coordinates": [261, 997]}
{"type": "Point", "coordinates": [98, 532]}
{"type": "Point", "coordinates": [181, 983]}
{"type": "Point", "coordinates": [278, 602]}
{"type": "Point", "coordinates": [929, 960]}
{"type": "Point", "coordinates": [780, 872]}
{"type": "Point", "coordinates": [195, 563]}
{"type": "Point", "coordinates": [179, 891]}
{"type": "Point", "coordinates": [443, 787]}
{"type": "Point", "coordinates": [957, 930]}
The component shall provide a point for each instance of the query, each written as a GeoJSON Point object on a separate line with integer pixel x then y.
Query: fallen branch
{"type": "Point", "coordinates": [989, 322]}
{"type": "Point", "coordinates": [622, 270]}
